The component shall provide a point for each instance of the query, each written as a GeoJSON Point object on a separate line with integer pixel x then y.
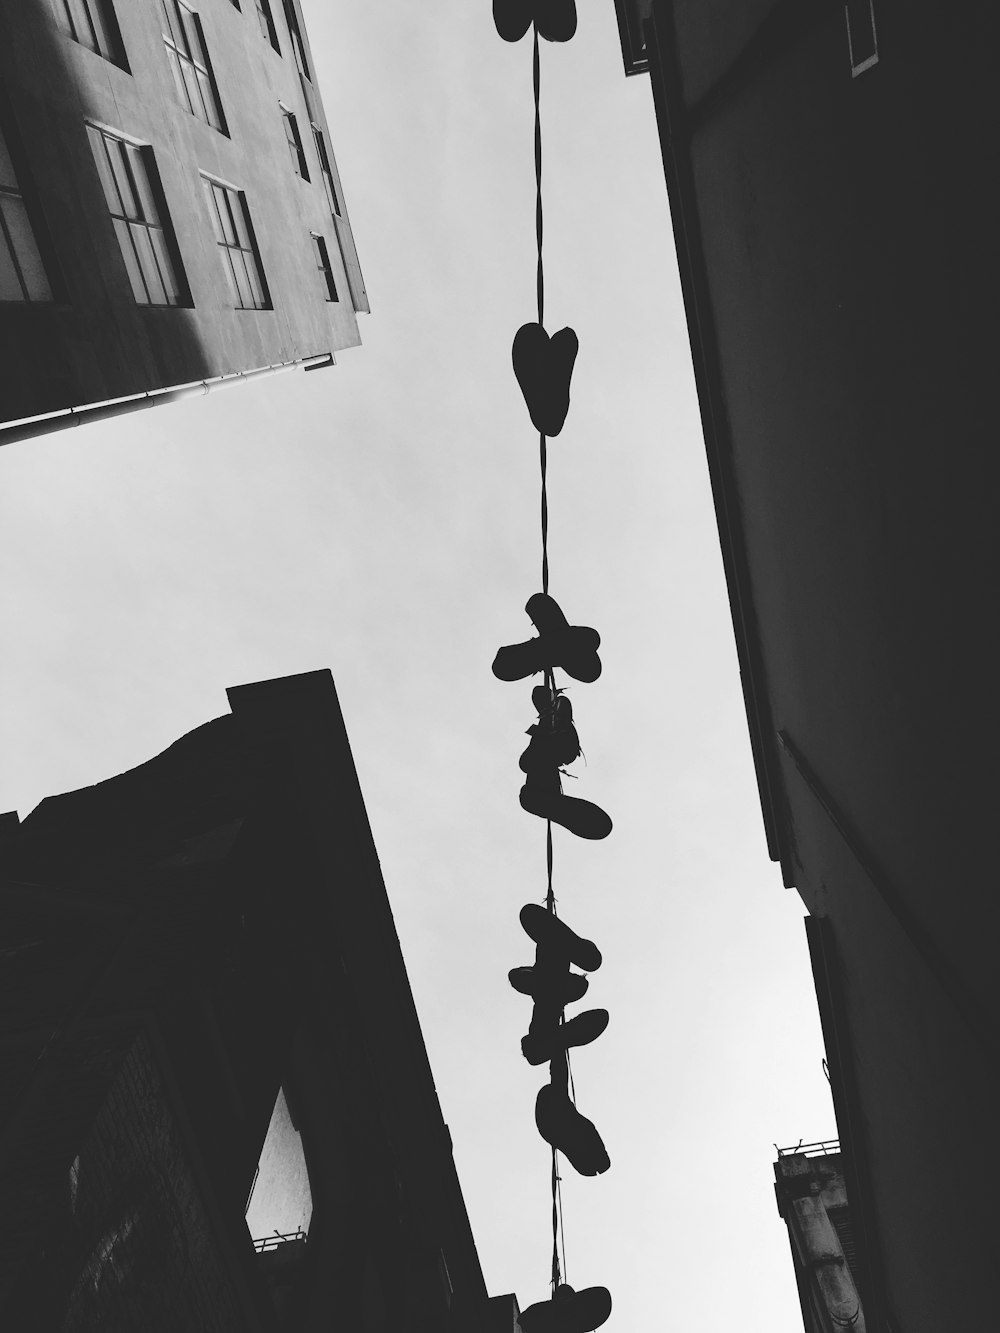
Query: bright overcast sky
{"type": "Point", "coordinates": [381, 518]}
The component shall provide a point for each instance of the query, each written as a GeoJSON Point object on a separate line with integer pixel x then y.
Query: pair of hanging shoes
{"type": "Point", "coordinates": [542, 795]}
{"type": "Point", "coordinates": [556, 19]}
{"type": "Point", "coordinates": [568, 1311]}
{"type": "Point", "coordinates": [559, 644]}
{"type": "Point", "coordinates": [541, 985]}
{"type": "Point", "coordinates": [547, 1037]}
{"type": "Point", "coordinates": [553, 935]}
{"type": "Point", "coordinates": [554, 740]}
{"type": "Point", "coordinates": [543, 367]}
{"type": "Point", "coordinates": [561, 1125]}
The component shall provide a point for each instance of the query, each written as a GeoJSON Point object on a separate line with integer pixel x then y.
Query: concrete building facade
{"type": "Point", "coordinates": [812, 1201]}
{"type": "Point", "coordinates": [170, 207]}
{"type": "Point", "coordinates": [217, 1108]}
{"type": "Point", "coordinates": [834, 230]}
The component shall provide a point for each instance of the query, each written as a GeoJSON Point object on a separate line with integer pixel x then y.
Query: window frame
{"type": "Point", "coordinates": [141, 223]}
{"type": "Point", "coordinates": [859, 66]}
{"type": "Point", "coordinates": [233, 222]}
{"type": "Point", "coordinates": [184, 61]}
{"type": "Point", "coordinates": [265, 17]}
{"type": "Point", "coordinates": [325, 169]}
{"type": "Point", "coordinates": [296, 147]}
{"type": "Point", "coordinates": [99, 14]}
{"type": "Point", "coordinates": [322, 253]}
{"type": "Point", "coordinates": [295, 37]}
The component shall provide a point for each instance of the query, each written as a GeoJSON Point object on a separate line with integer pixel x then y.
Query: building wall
{"type": "Point", "coordinates": [94, 342]}
{"type": "Point", "coordinates": [835, 231]}
{"type": "Point", "coordinates": [812, 1200]}
{"type": "Point", "coordinates": [227, 907]}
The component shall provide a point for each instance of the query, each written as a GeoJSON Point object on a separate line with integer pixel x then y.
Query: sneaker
{"type": "Point", "coordinates": [550, 932]}
{"type": "Point", "coordinates": [542, 797]}
{"type": "Point", "coordinates": [544, 367]}
{"type": "Point", "coordinates": [559, 644]}
{"type": "Point", "coordinates": [568, 1311]}
{"type": "Point", "coordinates": [546, 1039]}
{"type": "Point", "coordinates": [572, 1134]}
{"type": "Point", "coordinates": [529, 981]}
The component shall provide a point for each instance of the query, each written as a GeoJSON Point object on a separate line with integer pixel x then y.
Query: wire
{"type": "Point", "coordinates": [543, 464]}
{"type": "Point", "coordinates": [536, 78]}
{"type": "Point", "coordinates": [556, 1274]}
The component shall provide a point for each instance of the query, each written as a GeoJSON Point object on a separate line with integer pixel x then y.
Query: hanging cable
{"type": "Point", "coordinates": [556, 1274]}
{"type": "Point", "coordinates": [536, 77]}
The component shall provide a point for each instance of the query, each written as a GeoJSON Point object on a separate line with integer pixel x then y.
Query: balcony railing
{"type": "Point", "coordinates": [821, 1149]}
{"type": "Point", "coordinates": [264, 1243]}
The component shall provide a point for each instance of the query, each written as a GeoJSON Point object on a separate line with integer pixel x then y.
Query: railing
{"type": "Point", "coordinates": [263, 1243]}
{"type": "Point", "coordinates": [821, 1149]}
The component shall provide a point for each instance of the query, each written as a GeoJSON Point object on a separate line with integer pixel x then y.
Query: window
{"type": "Point", "coordinates": [323, 264]}
{"type": "Point", "coordinates": [22, 274]}
{"type": "Point", "coordinates": [185, 43]}
{"type": "Point", "coordinates": [862, 45]}
{"type": "Point", "coordinates": [92, 24]}
{"type": "Point", "coordinates": [324, 166]}
{"type": "Point", "coordinates": [239, 253]}
{"type": "Point", "coordinates": [299, 163]}
{"type": "Point", "coordinates": [131, 188]}
{"type": "Point", "coordinates": [295, 33]}
{"type": "Point", "coordinates": [267, 27]}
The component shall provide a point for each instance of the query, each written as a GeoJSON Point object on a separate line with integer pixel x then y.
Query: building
{"type": "Point", "coordinates": [812, 1201]}
{"type": "Point", "coordinates": [171, 214]}
{"type": "Point", "coordinates": [217, 1108]}
{"type": "Point", "coordinates": [834, 229]}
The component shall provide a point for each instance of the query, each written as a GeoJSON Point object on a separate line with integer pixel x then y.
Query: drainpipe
{"type": "Point", "coordinates": [28, 429]}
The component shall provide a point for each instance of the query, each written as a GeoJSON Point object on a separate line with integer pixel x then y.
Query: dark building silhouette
{"type": "Point", "coordinates": [171, 213]}
{"type": "Point", "coordinates": [216, 1104]}
{"type": "Point", "coordinates": [812, 1200]}
{"type": "Point", "coordinates": [835, 233]}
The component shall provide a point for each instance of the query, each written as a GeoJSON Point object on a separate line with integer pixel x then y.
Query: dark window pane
{"type": "Point", "coordinates": [259, 299]}
{"type": "Point", "coordinates": [140, 179]}
{"type": "Point", "coordinates": [227, 261]}
{"type": "Point", "coordinates": [193, 91]}
{"type": "Point", "coordinates": [131, 263]}
{"type": "Point", "coordinates": [165, 264]}
{"type": "Point", "coordinates": [147, 262]}
{"type": "Point", "coordinates": [195, 48]}
{"type": "Point", "coordinates": [213, 209]}
{"type": "Point", "coordinates": [100, 27]}
{"type": "Point", "coordinates": [111, 194]}
{"type": "Point", "coordinates": [174, 29]}
{"type": "Point", "coordinates": [240, 218]}
{"type": "Point", "coordinates": [226, 213]}
{"type": "Point", "coordinates": [116, 155]}
{"type": "Point", "coordinates": [212, 115]}
{"type": "Point", "coordinates": [242, 281]}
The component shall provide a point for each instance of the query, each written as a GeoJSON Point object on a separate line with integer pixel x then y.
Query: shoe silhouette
{"type": "Point", "coordinates": [540, 985]}
{"type": "Point", "coordinates": [551, 933]}
{"type": "Point", "coordinates": [544, 368]}
{"type": "Point", "coordinates": [559, 644]}
{"type": "Point", "coordinates": [542, 795]}
{"type": "Point", "coordinates": [546, 1038]}
{"type": "Point", "coordinates": [572, 1134]}
{"type": "Point", "coordinates": [556, 19]}
{"type": "Point", "coordinates": [568, 1311]}
{"type": "Point", "coordinates": [554, 741]}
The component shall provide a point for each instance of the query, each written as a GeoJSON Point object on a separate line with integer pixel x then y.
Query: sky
{"type": "Point", "coordinates": [380, 518]}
